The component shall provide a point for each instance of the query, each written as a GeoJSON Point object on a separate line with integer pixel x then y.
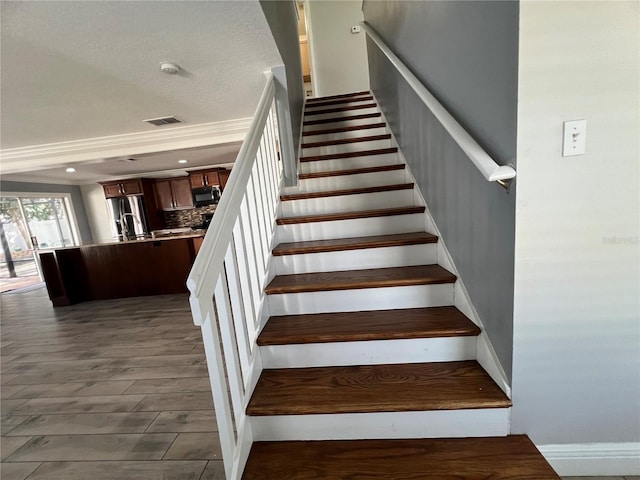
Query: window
{"type": "Point", "coordinates": [28, 221]}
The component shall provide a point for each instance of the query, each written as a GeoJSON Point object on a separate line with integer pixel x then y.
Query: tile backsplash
{"type": "Point", "coordinates": [187, 218]}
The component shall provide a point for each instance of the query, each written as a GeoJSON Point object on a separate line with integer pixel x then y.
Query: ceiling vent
{"type": "Point", "coordinates": [158, 122]}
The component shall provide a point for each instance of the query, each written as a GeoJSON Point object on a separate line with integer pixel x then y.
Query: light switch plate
{"type": "Point", "coordinates": [574, 138]}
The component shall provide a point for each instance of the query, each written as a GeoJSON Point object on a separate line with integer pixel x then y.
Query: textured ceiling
{"type": "Point", "coordinates": [81, 69]}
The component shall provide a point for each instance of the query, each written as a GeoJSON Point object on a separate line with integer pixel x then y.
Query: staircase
{"type": "Point", "coordinates": [370, 370]}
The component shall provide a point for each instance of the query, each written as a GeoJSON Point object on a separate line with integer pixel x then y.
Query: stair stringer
{"type": "Point", "coordinates": [486, 354]}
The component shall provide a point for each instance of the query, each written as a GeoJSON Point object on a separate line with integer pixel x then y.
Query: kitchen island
{"type": "Point", "coordinates": [119, 269]}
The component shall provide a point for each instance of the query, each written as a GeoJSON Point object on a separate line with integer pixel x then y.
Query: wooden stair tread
{"type": "Point", "coordinates": [342, 95]}
{"type": "Point", "coordinates": [330, 217]}
{"type": "Point", "coordinates": [430, 322]}
{"type": "Point", "coordinates": [342, 119]}
{"type": "Point", "coordinates": [514, 457]}
{"type": "Point", "coordinates": [358, 279]}
{"type": "Point", "coordinates": [346, 128]}
{"type": "Point", "coordinates": [338, 101]}
{"type": "Point", "coordinates": [375, 388]}
{"type": "Point", "coordinates": [348, 191]}
{"type": "Point", "coordinates": [345, 141]}
{"type": "Point", "coordinates": [352, 171]}
{"type": "Point", "coordinates": [354, 243]}
{"type": "Point", "coordinates": [361, 153]}
{"type": "Point", "coordinates": [345, 108]}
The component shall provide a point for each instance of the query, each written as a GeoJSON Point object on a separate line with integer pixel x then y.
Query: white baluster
{"type": "Point", "coordinates": [252, 261]}
{"type": "Point", "coordinates": [218, 381]}
{"type": "Point", "coordinates": [227, 331]}
{"type": "Point", "coordinates": [237, 307]}
{"type": "Point", "coordinates": [245, 281]}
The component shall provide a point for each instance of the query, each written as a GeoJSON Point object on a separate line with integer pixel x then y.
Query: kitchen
{"type": "Point", "coordinates": [139, 221]}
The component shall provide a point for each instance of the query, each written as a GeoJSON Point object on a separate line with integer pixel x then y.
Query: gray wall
{"type": "Point", "coordinates": [466, 53]}
{"type": "Point", "coordinates": [283, 21]}
{"type": "Point", "coordinates": [73, 190]}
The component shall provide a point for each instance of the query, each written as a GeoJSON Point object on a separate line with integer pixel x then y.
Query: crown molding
{"type": "Point", "coordinates": [24, 159]}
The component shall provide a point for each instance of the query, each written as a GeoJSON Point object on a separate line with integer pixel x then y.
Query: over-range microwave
{"type": "Point", "coordinates": [209, 195]}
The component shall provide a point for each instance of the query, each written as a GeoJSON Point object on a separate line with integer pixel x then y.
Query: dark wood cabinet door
{"type": "Point", "coordinates": [181, 190]}
{"type": "Point", "coordinates": [212, 177]}
{"type": "Point", "coordinates": [196, 179]}
{"type": "Point", "coordinates": [164, 198]}
{"type": "Point", "coordinates": [224, 177]}
{"type": "Point", "coordinates": [131, 187]}
{"type": "Point", "coordinates": [123, 187]}
{"type": "Point", "coordinates": [112, 190]}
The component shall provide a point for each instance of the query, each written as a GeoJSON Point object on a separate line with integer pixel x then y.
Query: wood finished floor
{"type": "Point", "coordinates": [106, 390]}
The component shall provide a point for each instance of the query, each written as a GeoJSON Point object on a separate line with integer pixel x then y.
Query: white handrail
{"type": "Point", "coordinates": [481, 159]}
{"type": "Point", "coordinates": [211, 255]}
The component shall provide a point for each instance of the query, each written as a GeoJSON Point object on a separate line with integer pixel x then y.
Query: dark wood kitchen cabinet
{"type": "Point", "coordinates": [137, 186]}
{"type": "Point", "coordinates": [204, 178]}
{"type": "Point", "coordinates": [224, 177]}
{"type": "Point", "coordinates": [173, 193]}
{"type": "Point", "coordinates": [122, 188]}
{"type": "Point", "coordinates": [118, 270]}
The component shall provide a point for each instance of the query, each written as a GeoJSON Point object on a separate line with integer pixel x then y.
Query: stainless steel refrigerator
{"type": "Point", "coordinates": [128, 217]}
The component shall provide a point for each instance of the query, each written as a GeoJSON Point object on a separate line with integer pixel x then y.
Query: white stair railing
{"type": "Point", "coordinates": [228, 276]}
{"type": "Point", "coordinates": [490, 170]}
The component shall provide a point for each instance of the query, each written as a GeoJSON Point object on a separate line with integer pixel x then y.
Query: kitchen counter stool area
{"type": "Point", "coordinates": [105, 390]}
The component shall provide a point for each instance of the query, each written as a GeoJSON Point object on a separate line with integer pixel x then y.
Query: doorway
{"type": "Point", "coordinates": [29, 223]}
{"type": "Point", "coordinates": [304, 49]}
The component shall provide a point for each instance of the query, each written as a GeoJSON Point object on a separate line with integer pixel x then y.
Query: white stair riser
{"type": "Point", "coordinates": [365, 132]}
{"type": "Point", "coordinates": [311, 107]}
{"type": "Point", "coordinates": [348, 203]}
{"type": "Point", "coordinates": [339, 182]}
{"type": "Point", "coordinates": [347, 163]}
{"type": "Point", "coordinates": [372, 352]}
{"type": "Point", "coordinates": [341, 123]}
{"type": "Point", "coordinates": [346, 147]}
{"type": "Point", "coordinates": [365, 299]}
{"type": "Point", "coordinates": [490, 422]}
{"type": "Point", "coordinates": [338, 115]}
{"type": "Point", "coordinates": [401, 256]}
{"type": "Point", "coordinates": [360, 227]}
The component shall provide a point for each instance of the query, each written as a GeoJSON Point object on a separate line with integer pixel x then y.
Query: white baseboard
{"type": "Point", "coordinates": [591, 459]}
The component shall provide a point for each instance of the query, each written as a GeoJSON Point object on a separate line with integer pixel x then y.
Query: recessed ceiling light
{"type": "Point", "coordinates": [70, 170]}
{"type": "Point", "coordinates": [182, 161]}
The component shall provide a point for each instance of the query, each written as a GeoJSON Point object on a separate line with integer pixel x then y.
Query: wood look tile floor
{"type": "Point", "coordinates": [108, 390]}
{"type": "Point", "coordinates": [105, 390]}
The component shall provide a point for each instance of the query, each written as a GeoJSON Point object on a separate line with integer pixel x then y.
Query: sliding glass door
{"type": "Point", "coordinates": [29, 223]}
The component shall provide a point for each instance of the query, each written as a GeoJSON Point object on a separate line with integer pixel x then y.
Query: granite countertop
{"type": "Point", "coordinates": [162, 238]}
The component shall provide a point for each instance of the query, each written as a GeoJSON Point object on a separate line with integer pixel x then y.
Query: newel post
{"type": "Point", "coordinates": [285, 132]}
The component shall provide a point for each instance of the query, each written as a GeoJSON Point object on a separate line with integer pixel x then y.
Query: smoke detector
{"type": "Point", "coordinates": [169, 68]}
